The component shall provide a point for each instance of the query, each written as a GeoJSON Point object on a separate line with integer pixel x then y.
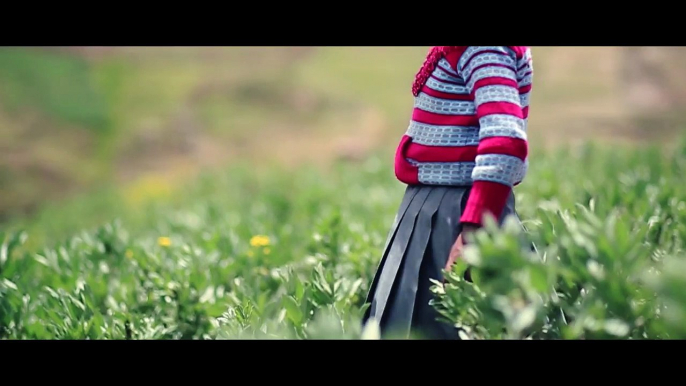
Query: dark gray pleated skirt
{"type": "Point", "coordinates": [417, 249]}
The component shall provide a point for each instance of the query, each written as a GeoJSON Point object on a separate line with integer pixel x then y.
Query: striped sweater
{"type": "Point", "coordinates": [468, 125]}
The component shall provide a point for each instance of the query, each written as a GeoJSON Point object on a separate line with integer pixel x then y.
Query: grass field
{"type": "Point", "coordinates": [280, 234]}
{"type": "Point", "coordinates": [264, 253]}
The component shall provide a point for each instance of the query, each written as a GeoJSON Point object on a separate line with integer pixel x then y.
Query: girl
{"type": "Point", "coordinates": [465, 149]}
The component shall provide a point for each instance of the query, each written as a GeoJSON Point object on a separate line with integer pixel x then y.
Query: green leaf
{"type": "Point", "coordinates": [524, 318]}
{"type": "Point", "coordinates": [539, 278]}
{"type": "Point", "coordinates": [6, 283]}
{"type": "Point", "coordinates": [616, 327]}
{"type": "Point", "coordinates": [356, 286]}
{"type": "Point", "coordinates": [299, 288]}
{"type": "Point", "coordinates": [293, 310]}
{"type": "Point", "coordinates": [471, 255]}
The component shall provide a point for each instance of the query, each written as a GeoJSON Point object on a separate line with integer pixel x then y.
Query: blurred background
{"type": "Point", "coordinates": [136, 122]}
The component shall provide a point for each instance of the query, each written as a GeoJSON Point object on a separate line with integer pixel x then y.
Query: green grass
{"type": "Point", "coordinates": [608, 224]}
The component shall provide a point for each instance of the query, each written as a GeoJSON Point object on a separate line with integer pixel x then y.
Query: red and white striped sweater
{"type": "Point", "coordinates": [468, 125]}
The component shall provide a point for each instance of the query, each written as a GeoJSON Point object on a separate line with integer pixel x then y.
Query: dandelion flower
{"type": "Point", "coordinates": [164, 241]}
{"type": "Point", "coordinates": [259, 241]}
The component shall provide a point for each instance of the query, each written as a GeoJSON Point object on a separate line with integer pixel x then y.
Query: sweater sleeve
{"type": "Point", "coordinates": [491, 77]}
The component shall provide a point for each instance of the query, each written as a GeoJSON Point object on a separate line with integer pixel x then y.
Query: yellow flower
{"type": "Point", "coordinates": [266, 250]}
{"type": "Point", "coordinates": [129, 254]}
{"type": "Point", "coordinates": [251, 253]}
{"type": "Point", "coordinates": [164, 241]}
{"type": "Point", "coordinates": [259, 241]}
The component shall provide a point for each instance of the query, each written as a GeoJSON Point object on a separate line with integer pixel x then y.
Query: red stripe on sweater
{"type": "Point", "coordinates": [494, 81]}
{"type": "Point", "coordinates": [424, 153]}
{"type": "Point", "coordinates": [499, 108]}
{"type": "Point", "coordinates": [423, 116]}
{"type": "Point", "coordinates": [515, 147]}
{"type": "Point", "coordinates": [444, 95]}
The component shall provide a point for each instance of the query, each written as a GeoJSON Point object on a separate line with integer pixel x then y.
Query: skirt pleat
{"type": "Point", "coordinates": [401, 305]}
{"type": "Point", "coordinates": [395, 252]}
{"type": "Point", "coordinates": [416, 251]}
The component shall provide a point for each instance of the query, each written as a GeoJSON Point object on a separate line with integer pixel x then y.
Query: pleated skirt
{"type": "Point", "coordinates": [416, 251]}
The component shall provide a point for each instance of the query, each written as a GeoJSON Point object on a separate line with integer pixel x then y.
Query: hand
{"type": "Point", "coordinates": [458, 246]}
